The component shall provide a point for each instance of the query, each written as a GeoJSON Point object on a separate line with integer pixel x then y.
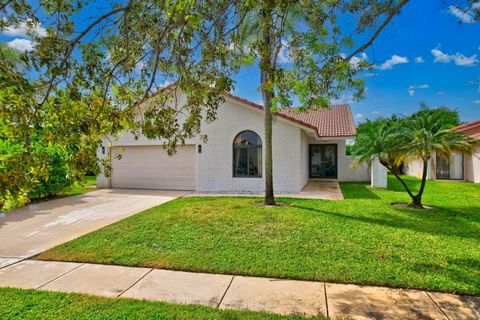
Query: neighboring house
{"type": "Point", "coordinates": [459, 167]}
{"type": "Point", "coordinates": [306, 146]}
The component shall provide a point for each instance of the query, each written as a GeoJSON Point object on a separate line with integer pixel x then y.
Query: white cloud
{"type": "Point", "coordinates": [25, 29]}
{"type": "Point", "coordinates": [440, 56]}
{"type": "Point", "coordinates": [376, 113]}
{"type": "Point", "coordinates": [284, 53]}
{"type": "Point", "coordinates": [476, 101]}
{"type": "Point", "coordinates": [359, 116]}
{"type": "Point", "coordinates": [440, 93]}
{"type": "Point", "coordinates": [411, 90]}
{"type": "Point", "coordinates": [466, 15]}
{"type": "Point", "coordinates": [394, 60]}
{"type": "Point", "coordinates": [22, 44]}
{"type": "Point", "coordinates": [355, 61]}
{"type": "Point", "coordinates": [459, 58]}
{"type": "Point", "coordinates": [419, 59]}
{"type": "Point", "coordinates": [463, 61]}
{"type": "Point", "coordinates": [344, 99]}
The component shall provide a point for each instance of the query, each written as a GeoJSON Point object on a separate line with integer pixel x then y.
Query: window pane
{"type": "Point", "coordinates": [456, 166]}
{"type": "Point", "coordinates": [255, 162]}
{"type": "Point", "coordinates": [248, 138]}
{"type": "Point", "coordinates": [240, 165]}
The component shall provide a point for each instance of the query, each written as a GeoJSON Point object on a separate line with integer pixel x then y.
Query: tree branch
{"type": "Point", "coordinates": [74, 43]}
{"type": "Point", "coordinates": [377, 32]}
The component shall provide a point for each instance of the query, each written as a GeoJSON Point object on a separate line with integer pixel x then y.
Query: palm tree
{"type": "Point", "coordinates": [424, 135]}
{"type": "Point", "coordinates": [379, 138]}
{"type": "Point", "coordinates": [419, 136]}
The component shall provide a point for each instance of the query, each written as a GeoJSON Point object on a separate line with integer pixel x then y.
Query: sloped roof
{"type": "Point", "coordinates": [472, 128]}
{"type": "Point", "coordinates": [337, 121]}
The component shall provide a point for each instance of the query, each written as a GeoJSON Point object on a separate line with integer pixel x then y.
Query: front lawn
{"type": "Point", "coordinates": [362, 239]}
{"type": "Point", "coordinates": [30, 304]}
{"type": "Point", "coordinates": [78, 188]}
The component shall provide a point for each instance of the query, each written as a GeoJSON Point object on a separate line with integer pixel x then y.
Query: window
{"type": "Point", "coordinates": [247, 155]}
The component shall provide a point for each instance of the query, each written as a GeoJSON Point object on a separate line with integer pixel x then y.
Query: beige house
{"type": "Point", "coordinates": [306, 146]}
{"type": "Point", "coordinates": [459, 167]}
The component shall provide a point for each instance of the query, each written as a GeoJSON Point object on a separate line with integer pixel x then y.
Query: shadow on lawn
{"type": "Point", "coordinates": [463, 271]}
{"type": "Point", "coordinates": [434, 222]}
{"type": "Point", "coordinates": [358, 190]}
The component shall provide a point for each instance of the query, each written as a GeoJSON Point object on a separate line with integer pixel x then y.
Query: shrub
{"type": "Point", "coordinates": [57, 178]}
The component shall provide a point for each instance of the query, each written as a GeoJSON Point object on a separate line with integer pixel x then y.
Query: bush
{"type": "Point", "coordinates": [57, 178]}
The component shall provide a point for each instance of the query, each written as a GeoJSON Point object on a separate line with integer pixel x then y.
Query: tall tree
{"type": "Point", "coordinates": [425, 134]}
{"type": "Point", "coordinates": [315, 41]}
{"type": "Point", "coordinates": [95, 73]}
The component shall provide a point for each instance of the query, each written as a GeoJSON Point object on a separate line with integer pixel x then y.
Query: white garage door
{"type": "Point", "coordinates": [150, 167]}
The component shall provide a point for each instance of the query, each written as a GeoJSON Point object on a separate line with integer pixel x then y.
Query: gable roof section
{"type": "Point", "coordinates": [472, 128]}
{"type": "Point", "coordinates": [337, 121]}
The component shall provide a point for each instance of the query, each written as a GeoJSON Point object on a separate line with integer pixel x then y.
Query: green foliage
{"type": "Point", "coordinates": [448, 118]}
{"type": "Point", "coordinates": [56, 179]}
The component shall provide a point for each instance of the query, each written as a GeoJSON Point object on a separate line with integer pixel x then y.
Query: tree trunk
{"type": "Point", "coordinates": [269, 197]}
{"type": "Point", "coordinates": [266, 69]}
{"type": "Point", "coordinates": [417, 200]}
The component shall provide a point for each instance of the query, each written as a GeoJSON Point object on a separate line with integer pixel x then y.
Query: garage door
{"type": "Point", "coordinates": [150, 167]}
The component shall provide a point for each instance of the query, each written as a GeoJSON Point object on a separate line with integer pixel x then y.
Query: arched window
{"type": "Point", "coordinates": [247, 155]}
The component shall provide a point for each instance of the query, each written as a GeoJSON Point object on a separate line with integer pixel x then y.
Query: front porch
{"type": "Point", "coordinates": [320, 190]}
{"type": "Point", "coordinates": [324, 190]}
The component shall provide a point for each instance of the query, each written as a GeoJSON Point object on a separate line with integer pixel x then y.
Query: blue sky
{"type": "Point", "coordinates": [453, 80]}
{"type": "Point", "coordinates": [448, 72]}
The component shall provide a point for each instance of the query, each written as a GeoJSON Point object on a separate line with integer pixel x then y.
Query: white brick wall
{"type": "Point", "coordinates": [215, 168]}
{"type": "Point", "coordinates": [360, 173]}
{"type": "Point", "coordinates": [472, 167]}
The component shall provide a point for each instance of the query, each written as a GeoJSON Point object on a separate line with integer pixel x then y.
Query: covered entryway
{"type": "Point", "coordinates": [150, 167]}
{"type": "Point", "coordinates": [323, 161]}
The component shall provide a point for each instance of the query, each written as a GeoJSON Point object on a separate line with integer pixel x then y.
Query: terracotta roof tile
{"type": "Point", "coordinates": [337, 121]}
{"type": "Point", "coordinates": [472, 128]}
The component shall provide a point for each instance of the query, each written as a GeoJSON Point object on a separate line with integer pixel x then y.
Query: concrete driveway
{"type": "Point", "coordinates": [35, 228]}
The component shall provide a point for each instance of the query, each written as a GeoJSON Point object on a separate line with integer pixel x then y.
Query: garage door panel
{"type": "Point", "coordinates": [150, 167]}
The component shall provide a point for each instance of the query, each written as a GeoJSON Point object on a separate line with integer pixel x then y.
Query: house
{"type": "Point", "coordinates": [306, 146]}
{"type": "Point", "coordinates": [459, 167]}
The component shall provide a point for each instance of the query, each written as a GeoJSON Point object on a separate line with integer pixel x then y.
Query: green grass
{"type": "Point", "coordinates": [86, 186]}
{"type": "Point", "coordinates": [30, 304]}
{"type": "Point", "coordinates": [363, 239]}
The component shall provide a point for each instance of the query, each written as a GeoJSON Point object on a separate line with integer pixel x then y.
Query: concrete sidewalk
{"type": "Point", "coordinates": [286, 297]}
